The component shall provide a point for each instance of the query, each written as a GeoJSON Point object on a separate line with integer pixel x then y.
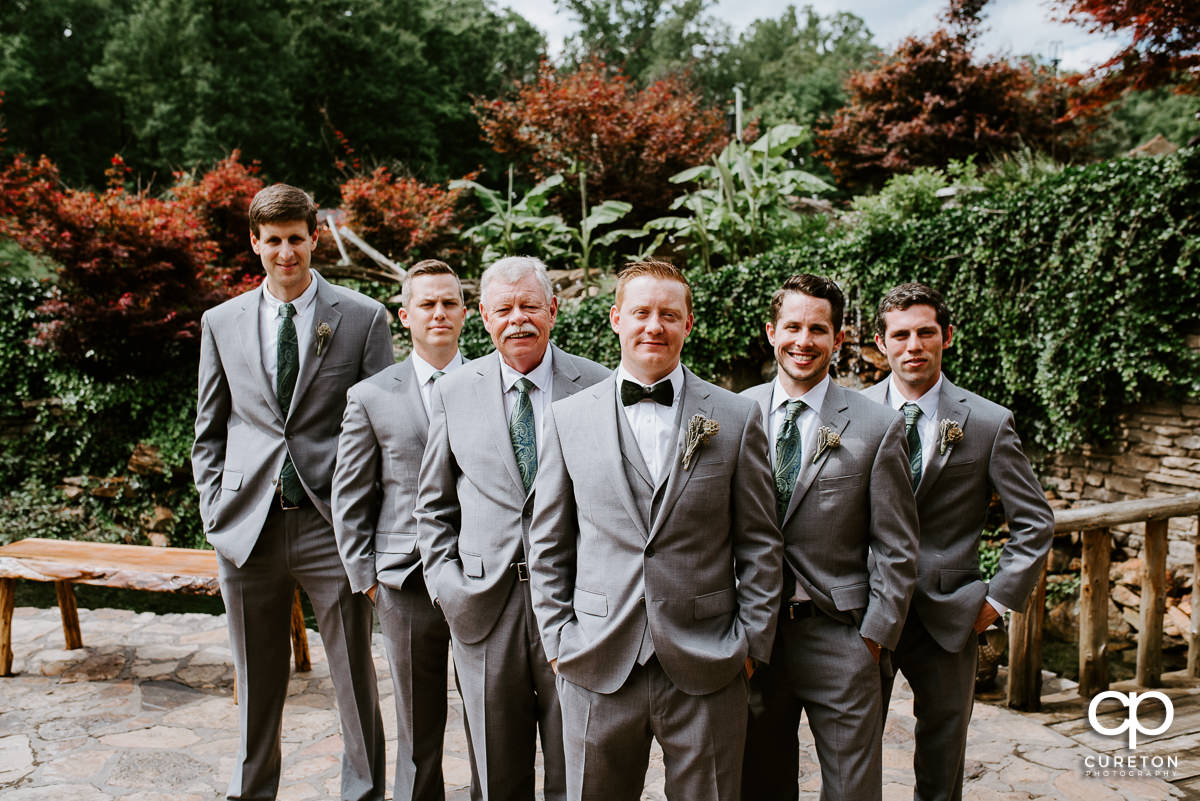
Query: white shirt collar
{"type": "Point", "coordinates": [813, 399]}
{"type": "Point", "coordinates": [675, 377]}
{"type": "Point", "coordinates": [928, 402]}
{"type": "Point", "coordinates": [542, 376]}
{"type": "Point", "coordinates": [301, 303]}
{"type": "Point", "coordinates": [425, 370]}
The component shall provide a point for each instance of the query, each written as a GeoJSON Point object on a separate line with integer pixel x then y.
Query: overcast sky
{"type": "Point", "coordinates": [1012, 27]}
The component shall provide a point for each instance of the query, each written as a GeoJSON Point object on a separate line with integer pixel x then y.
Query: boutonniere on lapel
{"type": "Point", "coordinates": [948, 435]}
{"type": "Point", "coordinates": [700, 430]}
{"type": "Point", "coordinates": [324, 332]}
{"type": "Point", "coordinates": [827, 439]}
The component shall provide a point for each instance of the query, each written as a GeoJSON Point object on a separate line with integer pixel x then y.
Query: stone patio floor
{"type": "Point", "coordinates": [144, 712]}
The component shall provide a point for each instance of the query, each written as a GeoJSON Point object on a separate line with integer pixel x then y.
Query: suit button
{"type": "Point", "coordinates": [649, 551]}
{"type": "Point", "coordinates": [641, 601]}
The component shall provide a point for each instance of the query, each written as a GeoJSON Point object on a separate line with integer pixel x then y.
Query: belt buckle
{"type": "Point", "coordinates": [522, 571]}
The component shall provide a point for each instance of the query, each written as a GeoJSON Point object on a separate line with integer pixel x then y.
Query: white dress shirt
{"type": "Point", "coordinates": [652, 423]}
{"type": "Point", "coordinates": [808, 421]}
{"type": "Point", "coordinates": [425, 371]}
{"type": "Point", "coordinates": [928, 429]}
{"type": "Point", "coordinates": [540, 395]}
{"type": "Point", "coordinates": [268, 326]}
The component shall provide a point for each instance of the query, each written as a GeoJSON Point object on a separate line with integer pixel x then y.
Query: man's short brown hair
{"type": "Point", "coordinates": [427, 267]}
{"type": "Point", "coordinates": [280, 203]}
{"type": "Point", "coordinates": [815, 286]}
{"type": "Point", "coordinates": [653, 269]}
{"type": "Point", "coordinates": [912, 294]}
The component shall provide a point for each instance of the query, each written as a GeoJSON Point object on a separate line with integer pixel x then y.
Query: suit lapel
{"type": "Point", "coordinates": [324, 311]}
{"type": "Point", "coordinates": [696, 400]}
{"type": "Point", "coordinates": [411, 398]}
{"type": "Point", "coordinates": [251, 341]}
{"type": "Point", "coordinates": [566, 375]}
{"type": "Point", "coordinates": [952, 405]}
{"type": "Point", "coordinates": [833, 415]}
{"type": "Point", "coordinates": [607, 441]}
{"type": "Point", "coordinates": [489, 400]}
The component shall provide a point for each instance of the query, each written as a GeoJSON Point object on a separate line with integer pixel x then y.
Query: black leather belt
{"type": "Point", "coordinates": [799, 610]}
{"type": "Point", "coordinates": [522, 569]}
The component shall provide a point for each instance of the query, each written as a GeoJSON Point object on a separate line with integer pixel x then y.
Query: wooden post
{"type": "Point", "coordinates": [1193, 639]}
{"type": "Point", "coordinates": [299, 636]}
{"type": "Point", "coordinates": [6, 612]}
{"type": "Point", "coordinates": [1025, 651]}
{"type": "Point", "coordinates": [1154, 601]}
{"type": "Point", "coordinates": [1093, 612]}
{"type": "Point", "coordinates": [67, 609]}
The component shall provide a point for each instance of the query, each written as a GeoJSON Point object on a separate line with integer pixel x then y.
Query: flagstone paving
{"type": "Point", "coordinates": [145, 712]}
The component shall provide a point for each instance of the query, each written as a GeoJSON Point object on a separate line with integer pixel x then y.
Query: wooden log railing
{"type": "Point", "coordinates": [1094, 524]}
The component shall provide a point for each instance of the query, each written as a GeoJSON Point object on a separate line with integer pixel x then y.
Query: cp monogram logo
{"type": "Point", "coordinates": [1131, 723]}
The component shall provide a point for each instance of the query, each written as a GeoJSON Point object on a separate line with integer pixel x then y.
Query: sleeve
{"type": "Point", "coordinates": [438, 514]}
{"type": "Point", "coordinates": [213, 404]}
{"type": "Point", "coordinates": [377, 351]}
{"type": "Point", "coordinates": [356, 493]}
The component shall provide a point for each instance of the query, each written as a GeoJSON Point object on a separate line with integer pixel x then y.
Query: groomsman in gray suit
{"type": "Point", "coordinates": [474, 508]}
{"type": "Point", "coordinates": [655, 559]}
{"type": "Point", "coordinates": [962, 448]}
{"type": "Point", "coordinates": [842, 491]}
{"type": "Point", "coordinates": [275, 364]}
{"type": "Point", "coordinates": [374, 497]}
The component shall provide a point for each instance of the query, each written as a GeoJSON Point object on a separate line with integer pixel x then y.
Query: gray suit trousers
{"type": "Point", "coordinates": [607, 738]}
{"type": "Point", "coordinates": [822, 667]}
{"type": "Point", "coordinates": [298, 546]}
{"type": "Point", "coordinates": [943, 685]}
{"type": "Point", "coordinates": [417, 641]}
{"type": "Point", "coordinates": [509, 699]}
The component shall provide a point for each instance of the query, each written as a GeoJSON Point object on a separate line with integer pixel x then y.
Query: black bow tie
{"type": "Point", "coordinates": [632, 393]}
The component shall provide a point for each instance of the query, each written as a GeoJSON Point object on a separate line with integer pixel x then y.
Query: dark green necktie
{"type": "Point", "coordinates": [787, 457]}
{"type": "Point", "coordinates": [521, 431]}
{"type": "Point", "coordinates": [437, 374]}
{"type": "Point", "coordinates": [287, 367]}
{"type": "Point", "coordinates": [911, 412]}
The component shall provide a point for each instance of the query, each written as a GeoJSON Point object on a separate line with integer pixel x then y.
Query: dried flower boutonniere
{"type": "Point", "coordinates": [324, 332]}
{"type": "Point", "coordinates": [949, 434]}
{"type": "Point", "coordinates": [700, 430]}
{"type": "Point", "coordinates": [827, 439]}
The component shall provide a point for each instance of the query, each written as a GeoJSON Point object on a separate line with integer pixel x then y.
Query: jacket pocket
{"type": "Point", "coordinates": [395, 542]}
{"type": "Point", "coordinates": [850, 596]}
{"type": "Point", "coordinates": [950, 580]}
{"type": "Point", "coordinates": [959, 468]}
{"type": "Point", "coordinates": [591, 603]}
{"type": "Point", "coordinates": [839, 483]}
{"type": "Point", "coordinates": [472, 564]}
{"type": "Point", "coordinates": [231, 480]}
{"type": "Point", "coordinates": [715, 603]}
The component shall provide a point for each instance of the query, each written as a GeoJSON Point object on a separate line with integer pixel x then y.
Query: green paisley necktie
{"type": "Point", "coordinates": [520, 430]}
{"type": "Point", "coordinates": [787, 456]}
{"type": "Point", "coordinates": [911, 412]}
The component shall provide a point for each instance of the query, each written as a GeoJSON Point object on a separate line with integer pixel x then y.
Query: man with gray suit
{"type": "Point", "coordinates": [374, 497]}
{"type": "Point", "coordinates": [842, 491]}
{"type": "Point", "coordinates": [475, 504]}
{"type": "Point", "coordinates": [654, 559]}
{"type": "Point", "coordinates": [275, 364]}
{"type": "Point", "coordinates": [962, 448]}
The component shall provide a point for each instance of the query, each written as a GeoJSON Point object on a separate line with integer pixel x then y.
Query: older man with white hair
{"type": "Point", "coordinates": [475, 504]}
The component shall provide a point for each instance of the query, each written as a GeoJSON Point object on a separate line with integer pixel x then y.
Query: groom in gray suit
{"type": "Point", "coordinates": [654, 559]}
{"type": "Point", "coordinates": [962, 448]}
{"type": "Point", "coordinates": [374, 496]}
{"type": "Point", "coordinates": [275, 364]}
{"type": "Point", "coordinates": [475, 503]}
{"type": "Point", "coordinates": [842, 491]}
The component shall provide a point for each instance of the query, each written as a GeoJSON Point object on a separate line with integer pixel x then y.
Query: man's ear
{"type": "Point", "coordinates": [949, 336]}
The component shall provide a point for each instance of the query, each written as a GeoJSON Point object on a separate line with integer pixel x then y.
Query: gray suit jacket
{"type": "Point", "coordinates": [853, 500]}
{"type": "Point", "coordinates": [384, 429]}
{"type": "Point", "coordinates": [952, 502]}
{"type": "Point", "coordinates": [703, 572]}
{"type": "Point", "coordinates": [473, 512]}
{"type": "Point", "coordinates": [241, 436]}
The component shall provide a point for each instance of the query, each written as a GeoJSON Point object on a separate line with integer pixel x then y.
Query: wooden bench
{"type": "Point", "coordinates": [134, 567]}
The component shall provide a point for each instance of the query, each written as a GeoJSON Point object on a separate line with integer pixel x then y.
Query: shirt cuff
{"type": "Point", "coordinates": [999, 607]}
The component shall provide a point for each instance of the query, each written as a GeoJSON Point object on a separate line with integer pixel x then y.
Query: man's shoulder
{"type": "Point", "coordinates": [860, 407]}
{"type": "Point", "coordinates": [383, 381]}
{"type": "Point", "coordinates": [980, 406]}
{"type": "Point", "coordinates": [587, 369]}
{"type": "Point", "coordinates": [234, 306]}
{"type": "Point", "coordinates": [718, 396]}
{"type": "Point", "coordinates": [353, 299]}
{"type": "Point", "coordinates": [759, 392]}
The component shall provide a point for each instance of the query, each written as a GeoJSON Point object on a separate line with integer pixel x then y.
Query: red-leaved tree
{"type": "Point", "coordinates": [403, 218]}
{"type": "Point", "coordinates": [628, 140]}
{"type": "Point", "coordinates": [220, 198]}
{"type": "Point", "coordinates": [932, 101]}
{"type": "Point", "coordinates": [135, 273]}
{"type": "Point", "coordinates": [1165, 47]}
